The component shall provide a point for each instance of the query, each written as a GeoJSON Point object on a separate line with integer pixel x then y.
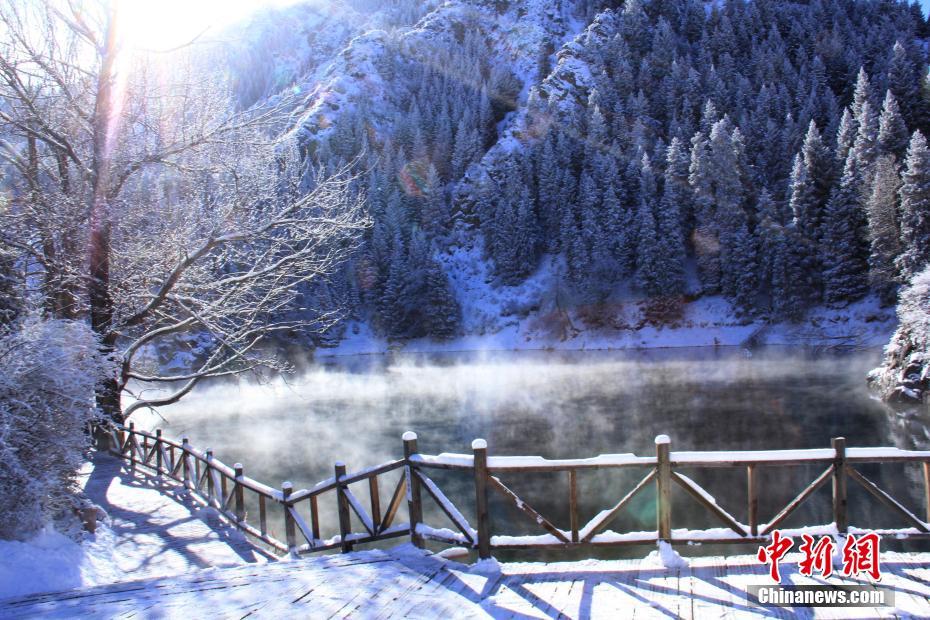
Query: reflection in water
{"type": "Point", "coordinates": [565, 405]}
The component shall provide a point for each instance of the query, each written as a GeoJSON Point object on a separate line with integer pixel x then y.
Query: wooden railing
{"type": "Point", "coordinates": [223, 488]}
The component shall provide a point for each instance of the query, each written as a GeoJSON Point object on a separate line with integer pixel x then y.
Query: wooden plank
{"type": "Point", "coordinates": [374, 500]}
{"type": "Point", "coordinates": [526, 509]}
{"type": "Point", "coordinates": [394, 504]}
{"type": "Point", "coordinates": [342, 503]}
{"type": "Point", "coordinates": [414, 501]}
{"type": "Point", "coordinates": [240, 495]}
{"type": "Point", "coordinates": [889, 501]}
{"type": "Point", "coordinates": [482, 516]}
{"type": "Point", "coordinates": [592, 529]}
{"type": "Point", "coordinates": [698, 493]}
{"type": "Point", "coordinates": [752, 494]}
{"type": "Point", "coordinates": [926, 471]}
{"type": "Point", "coordinates": [290, 534]}
{"type": "Point", "coordinates": [314, 516]}
{"type": "Point", "coordinates": [443, 502]}
{"type": "Point", "coordinates": [798, 500]}
{"type": "Point", "coordinates": [359, 510]}
{"type": "Point", "coordinates": [663, 489]}
{"type": "Point", "coordinates": [573, 503]}
{"type": "Point", "coordinates": [840, 501]}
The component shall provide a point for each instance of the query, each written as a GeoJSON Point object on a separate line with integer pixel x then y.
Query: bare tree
{"type": "Point", "coordinates": [147, 203]}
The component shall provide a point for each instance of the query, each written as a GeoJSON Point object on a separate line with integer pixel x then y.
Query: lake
{"type": "Point", "coordinates": [566, 405]}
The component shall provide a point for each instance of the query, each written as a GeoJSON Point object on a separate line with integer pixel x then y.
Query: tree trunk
{"type": "Point", "coordinates": [107, 117]}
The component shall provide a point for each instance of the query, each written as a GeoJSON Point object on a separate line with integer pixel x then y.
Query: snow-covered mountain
{"type": "Point", "coordinates": [609, 174]}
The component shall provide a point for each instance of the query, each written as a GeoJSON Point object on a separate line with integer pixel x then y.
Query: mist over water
{"type": "Point", "coordinates": [559, 405]}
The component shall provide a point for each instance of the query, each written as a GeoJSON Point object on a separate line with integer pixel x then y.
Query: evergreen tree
{"type": "Point", "coordinates": [844, 249]}
{"type": "Point", "coordinates": [649, 276]}
{"type": "Point", "coordinates": [884, 235]}
{"type": "Point", "coordinates": [892, 132]}
{"type": "Point", "coordinates": [915, 209]}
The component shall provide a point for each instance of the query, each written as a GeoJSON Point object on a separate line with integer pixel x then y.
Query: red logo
{"type": "Point", "coordinates": [860, 555]}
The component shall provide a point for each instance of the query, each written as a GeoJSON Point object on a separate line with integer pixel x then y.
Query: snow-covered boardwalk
{"type": "Point", "coordinates": [163, 542]}
{"type": "Point", "coordinates": [407, 583]}
{"type": "Point", "coordinates": [158, 532]}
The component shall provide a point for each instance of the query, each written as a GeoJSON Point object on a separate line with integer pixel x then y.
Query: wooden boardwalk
{"type": "Point", "coordinates": [408, 583]}
{"type": "Point", "coordinates": [161, 531]}
{"type": "Point", "coordinates": [164, 541]}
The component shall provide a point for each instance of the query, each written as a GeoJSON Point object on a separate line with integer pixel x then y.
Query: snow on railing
{"type": "Point", "coordinates": [222, 487]}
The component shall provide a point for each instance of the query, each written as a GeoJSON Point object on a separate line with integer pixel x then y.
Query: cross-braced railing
{"type": "Point", "coordinates": [224, 488]}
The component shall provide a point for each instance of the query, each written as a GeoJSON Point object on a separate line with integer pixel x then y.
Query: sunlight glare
{"type": "Point", "coordinates": [165, 24]}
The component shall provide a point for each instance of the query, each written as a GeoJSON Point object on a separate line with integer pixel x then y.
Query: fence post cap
{"type": "Point", "coordinates": [479, 444]}
{"type": "Point", "coordinates": [662, 439]}
{"type": "Point", "coordinates": [287, 486]}
{"type": "Point", "coordinates": [409, 436]}
{"type": "Point", "coordinates": [340, 464]}
{"type": "Point", "coordinates": [185, 439]}
{"type": "Point", "coordinates": [158, 432]}
{"type": "Point", "coordinates": [237, 466]}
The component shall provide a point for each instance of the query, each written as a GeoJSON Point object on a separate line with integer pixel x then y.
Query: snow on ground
{"type": "Point", "coordinates": [53, 561]}
{"type": "Point", "coordinates": [534, 315]}
{"type": "Point", "coordinates": [146, 533]}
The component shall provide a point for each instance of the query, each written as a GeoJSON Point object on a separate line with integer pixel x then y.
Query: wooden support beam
{"type": "Point", "coordinates": [290, 532]}
{"type": "Point", "coordinates": [315, 517]}
{"type": "Point", "coordinates": [573, 503]}
{"type": "Point", "coordinates": [797, 501]}
{"type": "Point", "coordinates": [593, 528]}
{"type": "Point", "coordinates": [240, 494]}
{"type": "Point", "coordinates": [446, 506]}
{"type": "Point", "coordinates": [159, 459]}
{"type": "Point", "coordinates": [698, 493]}
{"type": "Point", "coordinates": [374, 500]}
{"type": "Point", "coordinates": [526, 509]}
{"type": "Point", "coordinates": [394, 504]}
{"type": "Point", "coordinates": [345, 523]}
{"type": "Point", "coordinates": [479, 449]}
{"type": "Point", "coordinates": [926, 468]}
{"type": "Point", "coordinates": [886, 499]}
{"type": "Point", "coordinates": [752, 493]}
{"type": "Point", "coordinates": [663, 489]}
{"type": "Point", "coordinates": [414, 501]}
{"type": "Point", "coordinates": [840, 503]}
{"type": "Point", "coordinates": [185, 461]}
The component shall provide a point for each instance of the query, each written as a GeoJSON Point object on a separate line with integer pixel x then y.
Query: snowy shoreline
{"type": "Point", "coordinates": [706, 323]}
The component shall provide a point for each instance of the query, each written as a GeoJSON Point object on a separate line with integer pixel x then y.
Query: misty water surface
{"type": "Point", "coordinates": [563, 405]}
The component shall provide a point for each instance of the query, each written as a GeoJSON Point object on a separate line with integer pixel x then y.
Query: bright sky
{"type": "Point", "coordinates": [163, 24]}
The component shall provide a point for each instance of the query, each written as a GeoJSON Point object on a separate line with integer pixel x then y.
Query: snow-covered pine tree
{"type": "Point", "coordinates": [915, 209]}
{"type": "Point", "coordinates": [844, 248]}
{"type": "Point", "coordinates": [649, 276]}
{"type": "Point", "coordinates": [893, 136]}
{"type": "Point", "coordinates": [884, 234]}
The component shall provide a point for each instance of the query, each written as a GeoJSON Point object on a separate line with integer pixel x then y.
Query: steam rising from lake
{"type": "Point", "coordinates": [552, 404]}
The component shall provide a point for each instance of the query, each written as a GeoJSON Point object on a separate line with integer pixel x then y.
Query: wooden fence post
{"type": "Point", "coordinates": [752, 493]}
{"type": "Point", "coordinates": [186, 465]}
{"type": "Point", "coordinates": [132, 446]}
{"type": "Point", "coordinates": [240, 495]}
{"type": "Point", "coordinates": [480, 449]}
{"type": "Point", "coordinates": [663, 488]}
{"type": "Point", "coordinates": [211, 492]}
{"type": "Point", "coordinates": [345, 522]}
{"type": "Point", "coordinates": [290, 534]}
{"type": "Point", "coordinates": [840, 516]}
{"type": "Point", "coordinates": [926, 468]}
{"type": "Point", "coordinates": [414, 503]}
{"type": "Point", "coordinates": [159, 464]}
